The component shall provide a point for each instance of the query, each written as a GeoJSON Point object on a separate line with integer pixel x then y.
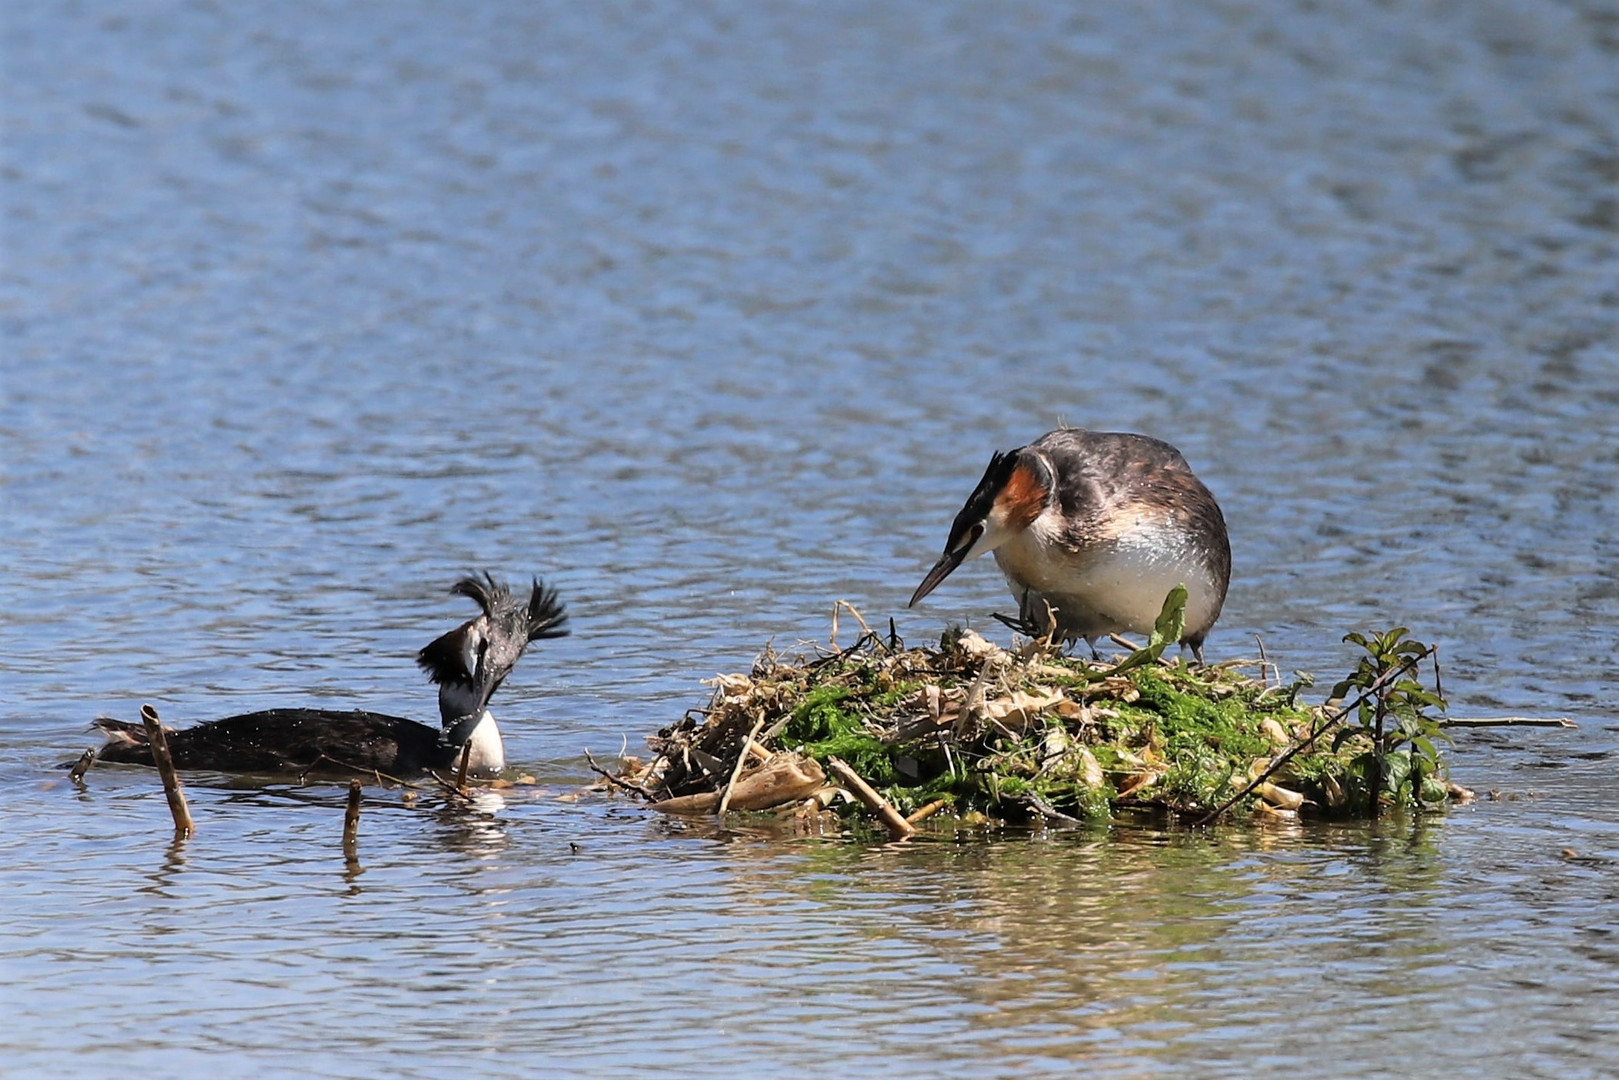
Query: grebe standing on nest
{"type": "Point", "coordinates": [469, 663]}
{"type": "Point", "coordinates": [1097, 526]}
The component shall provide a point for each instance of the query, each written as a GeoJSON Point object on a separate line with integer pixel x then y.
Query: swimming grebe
{"type": "Point", "coordinates": [1099, 526]}
{"type": "Point", "coordinates": [469, 663]}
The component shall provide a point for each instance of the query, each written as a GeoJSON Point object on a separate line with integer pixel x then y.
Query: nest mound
{"type": "Point", "coordinates": [975, 729]}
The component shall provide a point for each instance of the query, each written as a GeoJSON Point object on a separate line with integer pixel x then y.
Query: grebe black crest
{"type": "Point", "coordinates": [1095, 527]}
{"type": "Point", "coordinates": [469, 664]}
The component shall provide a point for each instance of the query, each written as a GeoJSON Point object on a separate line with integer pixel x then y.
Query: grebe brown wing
{"type": "Point", "coordinates": [289, 740]}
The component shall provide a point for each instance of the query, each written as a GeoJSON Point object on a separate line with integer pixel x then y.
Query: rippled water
{"type": "Point", "coordinates": [712, 315]}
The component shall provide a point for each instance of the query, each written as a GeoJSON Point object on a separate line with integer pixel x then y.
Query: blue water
{"type": "Point", "coordinates": [712, 317]}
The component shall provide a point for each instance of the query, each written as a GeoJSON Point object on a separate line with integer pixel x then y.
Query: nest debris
{"type": "Point", "coordinates": [993, 735]}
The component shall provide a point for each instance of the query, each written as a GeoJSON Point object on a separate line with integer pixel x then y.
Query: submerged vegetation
{"type": "Point", "coordinates": [983, 732]}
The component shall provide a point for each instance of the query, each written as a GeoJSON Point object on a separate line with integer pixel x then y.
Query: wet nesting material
{"type": "Point", "coordinates": [971, 728]}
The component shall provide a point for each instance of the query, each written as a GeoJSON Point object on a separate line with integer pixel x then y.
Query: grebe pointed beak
{"type": "Point", "coordinates": [941, 570]}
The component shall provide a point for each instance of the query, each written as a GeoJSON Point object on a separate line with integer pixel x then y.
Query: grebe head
{"type": "Point", "coordinates": [1014, 491]}
{"type": "Point", "coordinates": [470, 662]}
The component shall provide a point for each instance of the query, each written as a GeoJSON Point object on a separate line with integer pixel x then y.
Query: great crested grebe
{"type": "Point", "coordinates": [1096, 527]}
{"type": "Point", "coordinates": [469, 663]}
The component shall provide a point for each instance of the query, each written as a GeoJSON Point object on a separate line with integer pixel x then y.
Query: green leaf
{"type": "Point", "coordinates": [1396, 770]}
{"type": "Point", "coordinates": [1166, 631]}
{"type": "Point", "coordinates": [1171, 623]}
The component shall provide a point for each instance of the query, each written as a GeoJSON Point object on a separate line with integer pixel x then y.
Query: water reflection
{"type": "Point", "coordinates": [164, 880]}
{"type": "Point", "coordinates": [471, 827]}
{"type": "Point", "coordinates": [352, 868]}
{"type": "Point", "coordinates": [1100, 948]}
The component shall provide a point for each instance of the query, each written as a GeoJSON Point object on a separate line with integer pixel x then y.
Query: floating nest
{"type": "Point", "coordinates": [989, 734]}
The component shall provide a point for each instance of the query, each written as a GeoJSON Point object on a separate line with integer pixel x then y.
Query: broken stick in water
{"type": "Point", "coordinates": [619, 781]}
{"type": "Point", "coordinates": [183, 825]}
{"type": "Point", "coordinates": [1507, 721]}
{"type": "Point", "coordinates": [925, 812]}
{"type": "Point", "coordinates": [82, 766]}
{"type": "Point", "coordinates": [898, 827]}
{"type": "Point", "coordinates": [461, 773]}
{"type": "Point", "coordinates": [351, 817]}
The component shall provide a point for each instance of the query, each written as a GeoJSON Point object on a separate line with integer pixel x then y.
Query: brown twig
{"type": "Point", "coordinates": [949, 758]}
{"type": "Point", "coordinates": [1379, 713]}
{"type": "Point", "coordinates": [158, 739]}
{"type": "Point", "coordinates": [1508, 721]}
{"type": "Point", "coordinates": [377, 774]}
{"type": "Point", "coordinates": [742, 758]}
{"type": "Point", "coordinates": [973, 704]}
{"type": "Point", "coordinates": [450, 788]}
{"type": "Point", "coordinates": [821, 662]}
{"type": "Point", "coordinates": [772, 732]}
{"type": "Point", "coordinates": [351, 817]}
{"type": "Point", "coordinates": [866, 631]}
{"type": "Point", "coordinates": [461, 772]}
{"type": "Point", "coordinates": [1327, 724]}
{"type": "Point", "coordinates": [619, 781]}
{"type": "Point", "coordinates": [922, 813]}
{"type": "Point", "coordinates": [898, 827]}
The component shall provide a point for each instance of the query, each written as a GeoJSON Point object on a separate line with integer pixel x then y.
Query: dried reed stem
{"type": "Point", "coordinates": [898, 827]}
{"type": "Point", "coordinates": [925, 812]}
{"type": "Point", "coordinates": [351, 817]}
{"type": "Point", "coordinates": [619, 781]}
{"type": "Point", "coordinates": [741, 759]}
{"type": "Point", "coordinates": [183, 825]}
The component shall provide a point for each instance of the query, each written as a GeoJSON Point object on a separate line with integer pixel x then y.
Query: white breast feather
{"type": "Point", "coordinates": [488, 751]}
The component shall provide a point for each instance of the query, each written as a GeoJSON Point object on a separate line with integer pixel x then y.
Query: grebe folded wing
{"type": "Point", "coordinates": [287, 740]}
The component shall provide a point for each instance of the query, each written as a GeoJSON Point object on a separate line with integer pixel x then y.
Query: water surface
{"type": "Point", "coordinates": [712, 316]}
